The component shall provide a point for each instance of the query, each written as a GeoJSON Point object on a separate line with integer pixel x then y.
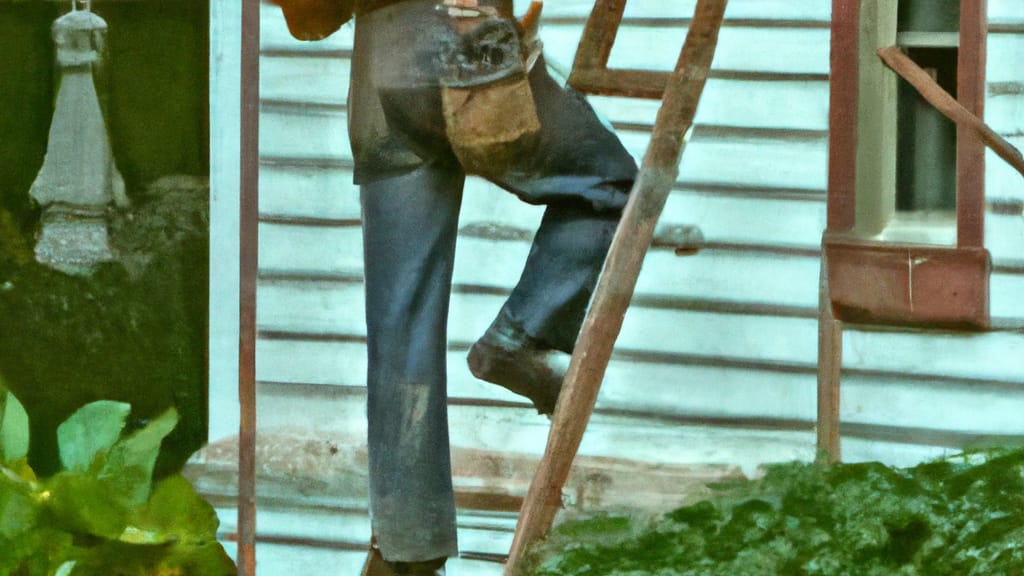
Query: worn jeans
{"type": "Point", "coordinates": [411, 193]}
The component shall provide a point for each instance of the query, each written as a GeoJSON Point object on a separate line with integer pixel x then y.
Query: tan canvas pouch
{"type": "Point", "coordinates": [488, 126]}
{"type": "Point", "coordinates": [489, 111]}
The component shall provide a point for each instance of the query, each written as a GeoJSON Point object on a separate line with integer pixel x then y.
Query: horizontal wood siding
{"type": "Point", "coordinates": [716, 361]}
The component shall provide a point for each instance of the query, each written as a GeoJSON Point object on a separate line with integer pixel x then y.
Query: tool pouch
{"type": "Point", "coordinates": [489, 112]}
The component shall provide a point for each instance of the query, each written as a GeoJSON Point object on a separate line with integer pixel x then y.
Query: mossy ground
{"type": "Point", "coordinates": [135, 331]}
{"type": "Point", "coordinates": [962, 516]}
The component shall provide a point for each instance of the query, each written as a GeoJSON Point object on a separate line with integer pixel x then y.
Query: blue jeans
{"type": "Point", "coordinates": [411, 193]}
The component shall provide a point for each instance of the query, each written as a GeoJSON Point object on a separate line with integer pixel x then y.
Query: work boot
{"type": "Point", "coordinates": [507, 356]}
{"type": "Point", "coordinates": [376, 565]}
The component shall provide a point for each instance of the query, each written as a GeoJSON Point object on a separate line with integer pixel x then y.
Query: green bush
{"type": "Point", "coordinates": [960, 516]}
{"type": "Point", "coordinates": [101, 514]}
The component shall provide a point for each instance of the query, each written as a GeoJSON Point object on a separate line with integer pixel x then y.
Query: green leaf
{"type": "Point", "coordinates": [3, 411]}
{"type": "Point", "coordinates": [18, 509]}
{"type": "Point", "coordinates": [175, 512]}
{"type": "Point", "coordinates": [83, 504]}
{"type": "Point", "coordinates": [13, 429]}
{"type": "Point", "coordinates": [90, 431]}
{"type": "Point", "coordinates": [128, 469]}
{"type": "Point", "coordinates": [207, 558]}
{"type": "Point", "coordinates": [38, 551]}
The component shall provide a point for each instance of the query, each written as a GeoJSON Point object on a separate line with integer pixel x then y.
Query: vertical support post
{"type": "Point", "coordinates": [842, 125]}
{"type": "Point", "coordinates": [970, 152]}
{"type": "Point", "coordinates": [618, 278]}
{"type": "Point", "coordinates": [830, 366]}
{"type": "Point", "coordinates": [248, 262]}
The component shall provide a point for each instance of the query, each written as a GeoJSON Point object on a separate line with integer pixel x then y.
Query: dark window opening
{"type": "Point", "coordinates": [928, 30]}
{"type": "Point", "coordinates": [926, 140]}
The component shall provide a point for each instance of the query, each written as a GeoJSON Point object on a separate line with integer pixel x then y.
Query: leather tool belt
{"type": "Point", "coordinates": [489, 111]}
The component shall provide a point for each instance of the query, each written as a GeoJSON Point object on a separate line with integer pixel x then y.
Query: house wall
{"type": "Point", "coordinates": [716, 363]}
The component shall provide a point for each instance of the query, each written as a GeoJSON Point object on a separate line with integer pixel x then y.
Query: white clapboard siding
{"type": "Point", "coordinates": [716, 362]}
{"type": "Point", "coordinates": [745, 217]}
{"type": "Point", "coordinates": [773, 199]}
{"type": "Point", "coordinates": [778, 10]}
{"type": "Point", "coordinates": [290, 543]}
{"type": "Point", "coordinates": [318, 134]}
{"type": "Point", "coordinates": [336, 308]}
{"type": "Point", "coordinates": [709, 275]}
{"type": "Point", "coordinates": [728, 101]}
{"type": "Point", "coordinates": [689, 391]}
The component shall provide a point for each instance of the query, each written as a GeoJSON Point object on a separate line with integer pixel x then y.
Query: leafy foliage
{"type": "Point", "coordinates": [102, 514]}
{"type": "Point", "coordinates": [961, 516]}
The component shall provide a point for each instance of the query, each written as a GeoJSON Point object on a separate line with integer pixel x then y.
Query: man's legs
{"type": "Point", "coordinates": [409, 231]}
{"type": "Point", "coordinates": [527, 347]}
{"type": "Point", "coordinates": [583, 174]}
{"type": "Point", "coordinates": [568, 251]}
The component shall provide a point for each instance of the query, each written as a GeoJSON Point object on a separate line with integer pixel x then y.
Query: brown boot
{"type": "Point", "coordinates": [509, 357]}
{"type": "Point", "coordinates": [376, 565]}
{"type": "Point", "coordinates": [428, 568]}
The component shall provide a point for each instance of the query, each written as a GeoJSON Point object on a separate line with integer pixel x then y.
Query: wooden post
{"type": "Point", "coordinates": [248, 261]}
{"type": "Point", "coordinates": [618, 278]}
{"type": "Point", "coordinates": [830, 365]}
